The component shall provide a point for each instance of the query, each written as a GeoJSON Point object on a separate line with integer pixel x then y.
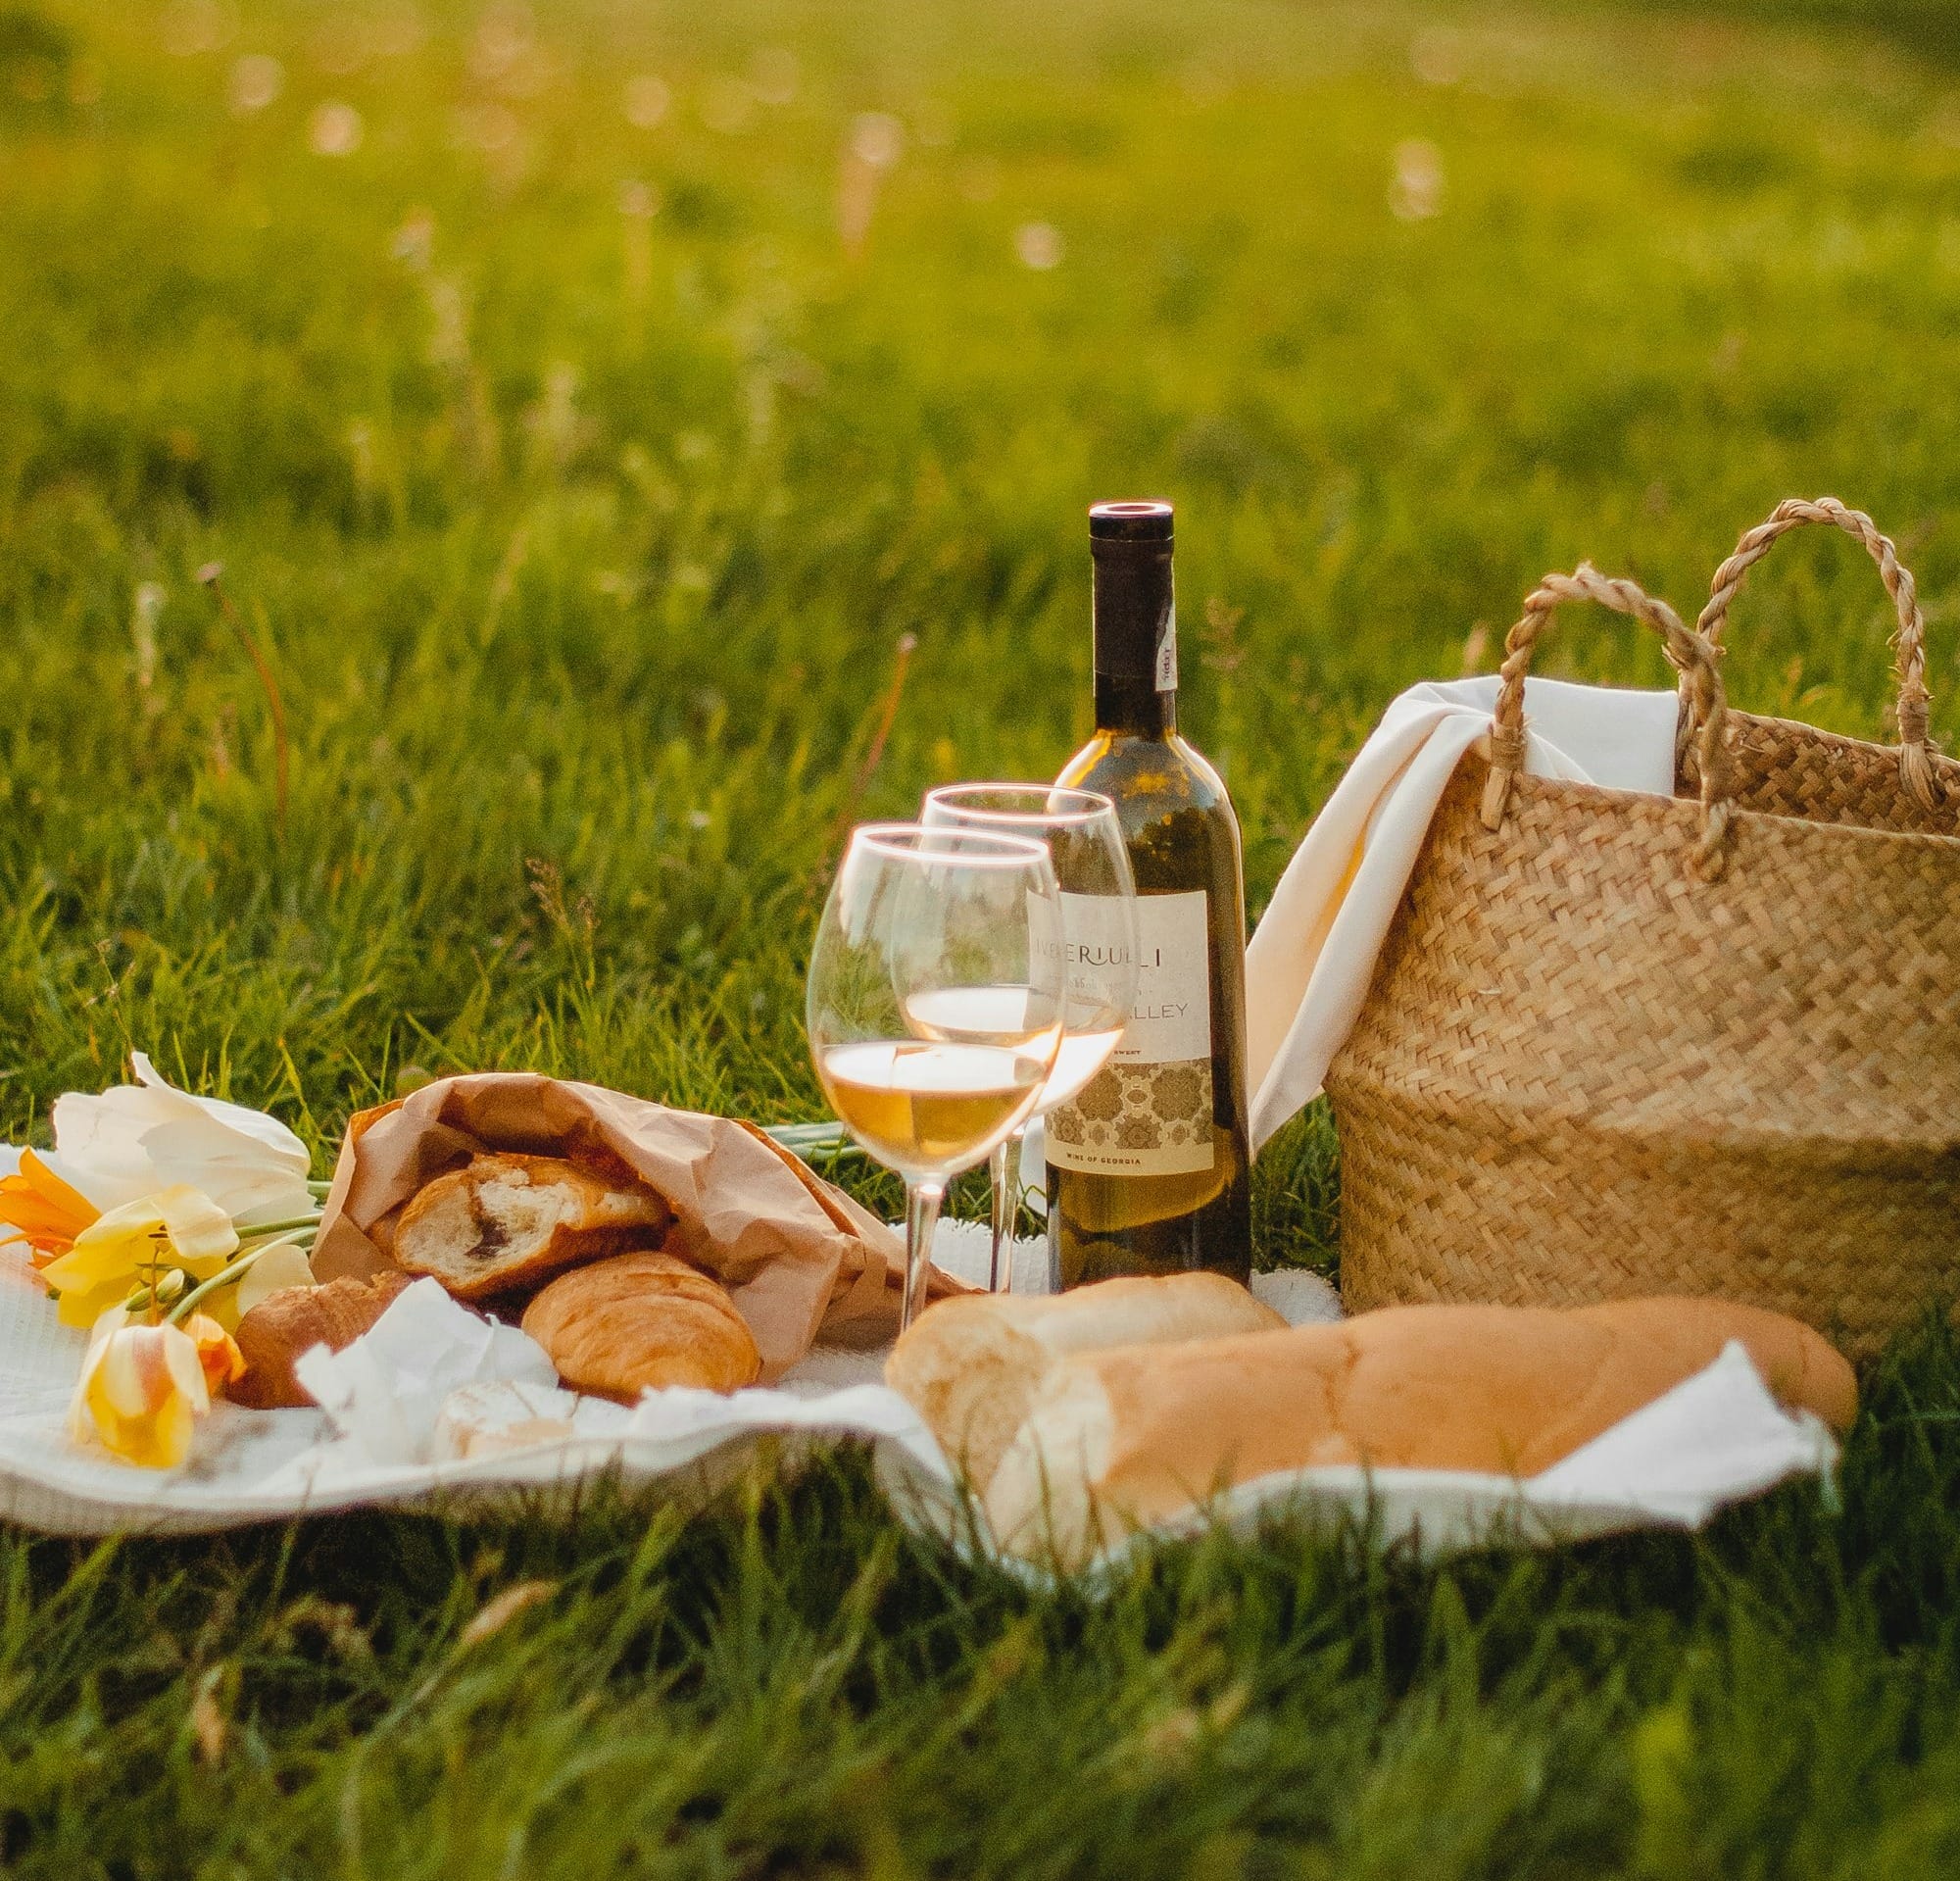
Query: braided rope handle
{"type": "Point", "coordinates": [1698, 658]}
{"type": "Point", "coordinates": [1908, 643]}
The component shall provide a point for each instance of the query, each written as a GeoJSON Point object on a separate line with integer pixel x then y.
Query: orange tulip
{"type": "Point", "coordinates": [42, 1210]}
{"type": "Point", "coordinates": [217, 1352]}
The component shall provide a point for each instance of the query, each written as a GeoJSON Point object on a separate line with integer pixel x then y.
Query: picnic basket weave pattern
{"type": "Point", "coordinates": [1621, 1045]}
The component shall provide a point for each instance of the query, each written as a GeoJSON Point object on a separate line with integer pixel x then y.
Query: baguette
{"type": "Point", "coordinates": [507, 1222]}
{"type": "Point", "coordinates": [971, 1365]}
{"type": "Point", "coordinates": [1126, 1438]}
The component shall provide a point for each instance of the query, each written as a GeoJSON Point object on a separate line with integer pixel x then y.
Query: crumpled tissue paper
{"type": "Point", "coordinates": [385, 1391]}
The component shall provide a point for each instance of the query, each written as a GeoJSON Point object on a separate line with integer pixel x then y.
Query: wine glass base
{"type": "Point", "coordinates": [965, 1250]}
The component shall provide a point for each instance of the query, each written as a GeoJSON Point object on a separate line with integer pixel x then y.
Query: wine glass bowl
{"type": "Point", "coordinates": [1084, 840]}
{"type": "Point", "coordinates": [934, 1003]}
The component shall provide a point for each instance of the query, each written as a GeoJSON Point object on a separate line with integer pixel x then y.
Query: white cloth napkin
{"type": "Point", "coordinates": [1713, 1439]}
{"type": "Point", "coordinates": [1309, 964]}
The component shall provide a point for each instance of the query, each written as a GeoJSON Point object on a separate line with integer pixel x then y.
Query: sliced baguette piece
{"type": "Point", "coordinates": [1126, 1438]}
{"type": "Point", "coordinates": [508, 1222]}
{"type": "Point", "coordinates": [971, 1365]}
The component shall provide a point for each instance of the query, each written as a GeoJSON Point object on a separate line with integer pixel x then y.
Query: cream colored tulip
{"type": "Point", "coordinates": [141, 1391]}
{"type": "Point", "coordinates": [130, 1142]}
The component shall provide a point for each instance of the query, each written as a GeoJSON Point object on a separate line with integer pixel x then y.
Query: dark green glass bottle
{"type": "Point", "coordinates": [1150, 1165]}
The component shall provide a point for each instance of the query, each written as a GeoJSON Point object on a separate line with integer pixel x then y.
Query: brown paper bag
{"type": "Point", "coordinates": [798, 1256]}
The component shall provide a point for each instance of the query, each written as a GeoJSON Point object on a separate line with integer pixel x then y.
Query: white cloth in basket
{"type": "Point", "coordinates": [1309, 964]}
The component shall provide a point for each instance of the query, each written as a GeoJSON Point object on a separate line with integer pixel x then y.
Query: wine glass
{"type": "Point", "coordinates": [1098, 925]}
{"type": "Point", "coordinates": [922, 921]}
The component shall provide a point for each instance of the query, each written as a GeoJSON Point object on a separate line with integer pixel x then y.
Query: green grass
{"type": "Point", "coordinates": [579, 544]}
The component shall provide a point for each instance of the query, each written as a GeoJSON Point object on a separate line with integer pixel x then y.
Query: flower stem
{"type": "Point", "coordinates": [223, 1277]}
{"type": "Point", "coordinates": [146, 1296]}
{"type": "Point", "coordinates": [265, 1229]}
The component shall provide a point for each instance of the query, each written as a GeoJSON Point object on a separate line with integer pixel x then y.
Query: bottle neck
{"type": "Point", "coordinates": [1136, 638]}
{"type": "Point", "coordinates": [1134, 707]}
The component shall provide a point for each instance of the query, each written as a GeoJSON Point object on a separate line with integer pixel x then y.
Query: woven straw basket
{"type": "Point", "coordinates": [1621, 1045]}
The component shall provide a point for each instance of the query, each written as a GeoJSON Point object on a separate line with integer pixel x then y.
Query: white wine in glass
{"type": "Point", "coordinates": [924, 919]}
{"type": "Point", "coordinates": [1084, 839]}
{"type": "Point", "coordinates": [918, 1104]}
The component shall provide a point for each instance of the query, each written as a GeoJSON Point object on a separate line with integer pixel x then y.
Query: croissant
{"type": "Point", "coordinates": [642, 1321]}
{"type": "Point", "coordinates": [295, 1320]}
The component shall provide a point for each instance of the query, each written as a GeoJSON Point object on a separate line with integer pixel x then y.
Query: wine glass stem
{"type": "Point", "coordinates": [1007, 1210]}
{"type": "Point", "coordinates": [922, 1200]}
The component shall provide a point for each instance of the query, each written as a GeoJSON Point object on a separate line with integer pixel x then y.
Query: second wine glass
{"type": "Point", "coordinates": [923, 922]}
{"type": "Point", "coordinates": [1080, 830]}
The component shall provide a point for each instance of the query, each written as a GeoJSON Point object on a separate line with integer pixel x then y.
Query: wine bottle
{"type": "Point", "coordinates": [1148, 1163]}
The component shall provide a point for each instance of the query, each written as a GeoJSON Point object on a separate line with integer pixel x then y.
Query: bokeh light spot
{"type": "Point", "coordinates": [1415, 191]}
{"type": "Point", "coordinates": [257, 79]}
{"type": "Point", "coordinates": [1038, 245]}
{"type": "Point", "coordinates": [334, 129]}
{"type": "Point", "coordinates": [647, 100]}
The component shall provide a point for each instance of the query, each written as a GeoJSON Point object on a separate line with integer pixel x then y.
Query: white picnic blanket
{"type": "Point", "coordinates": [1713, 1440]}
{"type": "Point", "coordinates": [1314, 953]}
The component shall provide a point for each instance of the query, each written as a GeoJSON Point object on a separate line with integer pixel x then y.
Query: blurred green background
{"type": "Point", "coordinates": [584, 401]}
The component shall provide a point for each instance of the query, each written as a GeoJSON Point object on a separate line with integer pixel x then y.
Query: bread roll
{"type": "Point", "coordinates": [643, 1321]}
{"type": "Point", "coordinates": [1124, 1438]}
{"type": "Point", "coordinates": [507, 1222]}
{"type": "Point", "coordinates": [295, 1320]}
{"type": "Point", "coordinates": [970, 1366]}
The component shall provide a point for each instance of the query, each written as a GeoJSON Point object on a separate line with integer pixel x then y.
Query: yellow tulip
{"type": "Point", "coordinates": [177, 1228]}
{"type": "Point", "coordinates": [141, 1391]}
{"type": "Point", "coordinates": [272, 1268]}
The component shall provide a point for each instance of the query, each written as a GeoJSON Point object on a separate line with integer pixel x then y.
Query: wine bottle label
{"type": "Point", "coordinates": [1167, 653]}
{"type": "Point", "coordinates": [1149, 1110]}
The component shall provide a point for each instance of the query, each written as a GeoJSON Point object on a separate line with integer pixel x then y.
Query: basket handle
{"type": "Point", "coordinates": [1909, 643]}
{"type": "Point", "coordinates": [1696, 657]}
